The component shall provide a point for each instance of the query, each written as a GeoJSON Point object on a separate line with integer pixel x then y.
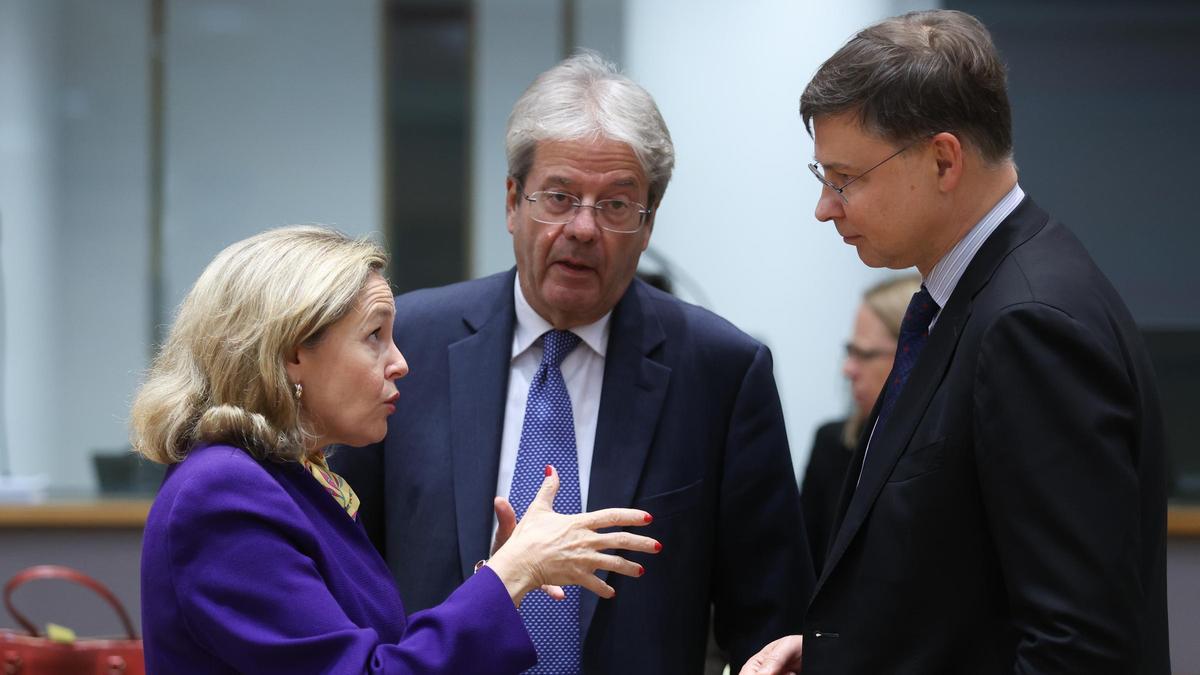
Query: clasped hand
{"type": "Point", "coordinates": [550, 550]}
{"type": "Point", "coordinates": [781, 657]}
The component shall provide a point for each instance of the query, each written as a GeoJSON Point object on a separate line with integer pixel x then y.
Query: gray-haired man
{"type": "Point", "coordinates": [674, 410]}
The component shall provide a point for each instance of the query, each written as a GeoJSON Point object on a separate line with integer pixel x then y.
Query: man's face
{"type": "Point", "coordinates": [890, 214]}
{"type": "Point", "coordinates": [574, 274]}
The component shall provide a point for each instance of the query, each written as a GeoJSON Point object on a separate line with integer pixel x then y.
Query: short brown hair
{"type": "Point", "coordinates": [916, 75]}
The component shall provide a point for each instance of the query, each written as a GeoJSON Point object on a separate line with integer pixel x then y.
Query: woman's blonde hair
{"type": "Point", "coordinates": [887, 300]}
{"type": "Point", "coordinates": [220, 377]}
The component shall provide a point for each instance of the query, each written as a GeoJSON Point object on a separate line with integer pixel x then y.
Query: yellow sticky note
{"type": "Point", "coordinates": [59, 633]}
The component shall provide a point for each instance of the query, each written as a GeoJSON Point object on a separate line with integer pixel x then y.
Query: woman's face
{"type": "Point", "coordinates": [348, 376]}
{"type": "Point", "coordinates": [869, 356]}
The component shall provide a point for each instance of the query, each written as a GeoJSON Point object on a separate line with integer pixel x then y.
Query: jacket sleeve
{"type": "Point", "coordinates": [763, 574]}
{"type": "Point", "coordinates": [1056, 421]}
{"type": "Point", "coordinates": [249, 591]}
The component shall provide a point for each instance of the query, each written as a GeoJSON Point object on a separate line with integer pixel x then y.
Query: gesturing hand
{"type": "Point", "coordinates": [506, 519]}
{"type": "Point", "coordinates": [551, 549]}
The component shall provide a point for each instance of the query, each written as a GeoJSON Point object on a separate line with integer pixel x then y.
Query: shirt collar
{"type": "Point", "coordinates": [945, 274]}
{"type": "Point", "coordinates": [530, 326]}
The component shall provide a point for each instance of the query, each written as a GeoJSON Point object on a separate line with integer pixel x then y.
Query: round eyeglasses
{"type": "Point", "coordinates": [559, 208]}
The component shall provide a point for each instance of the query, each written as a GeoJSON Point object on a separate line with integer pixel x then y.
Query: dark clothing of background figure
{"type": "Point", "coordinates": [1011, 515]}
{"type": "Point", "coordinates": [690, 429]}
{"type": "Point", "coordinates": [822, 486]}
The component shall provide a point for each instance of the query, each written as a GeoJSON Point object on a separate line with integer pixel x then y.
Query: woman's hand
{"type": "Point", "coordinates": [506, 522]}
{"type": "Point", "coordinates": [548, 549]}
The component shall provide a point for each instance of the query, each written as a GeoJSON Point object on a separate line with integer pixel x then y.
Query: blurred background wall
{"type": "Point", "coordinates": [270, 115]}
{"type": "Point", "coordinates": [139, 137]}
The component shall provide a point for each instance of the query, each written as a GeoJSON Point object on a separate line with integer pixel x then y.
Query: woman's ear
{"type": "Point", "coordinates": [293, 362]}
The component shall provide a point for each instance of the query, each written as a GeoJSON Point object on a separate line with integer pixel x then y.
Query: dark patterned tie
{"type": "Point", "coordinates": [548, 437]}
{"type": "Point", "coordinates": [914, 330]}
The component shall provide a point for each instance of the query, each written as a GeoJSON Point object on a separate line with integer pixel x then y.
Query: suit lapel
{"type": "Point", "coordinates": [478, 372]}
{"type": "Point", "coordinates": [890, 442]}
{"type": "Point", "coordinates": [635, 385]}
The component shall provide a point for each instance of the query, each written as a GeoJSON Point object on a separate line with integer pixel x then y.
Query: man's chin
{"type": "Point", "coordinates": [873, 260]}
{"type": "Point", "coordinates": [571, 306]}
{"type": "Point", "coordinates": [869, 258]}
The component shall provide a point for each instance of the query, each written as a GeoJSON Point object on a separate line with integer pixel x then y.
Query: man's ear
{"type": "Point", "coordinates": [511, 202]}
{"type": "Point", "coordinates": [648, 229]}
{"type": "Point", "coordinates": [948, 152]}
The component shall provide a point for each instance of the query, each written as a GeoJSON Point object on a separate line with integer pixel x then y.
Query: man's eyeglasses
{"type": "Point", "coordinates": [559, 208]}
{"type": "Point", "coordinates": [818, 171]}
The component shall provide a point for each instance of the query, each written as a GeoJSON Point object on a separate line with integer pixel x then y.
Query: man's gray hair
{"type": "Point", "coordinates": [586, 98]}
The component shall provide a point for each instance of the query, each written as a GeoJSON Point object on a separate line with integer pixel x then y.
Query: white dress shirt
{"type": "Point", "coordinates": [583, 373]}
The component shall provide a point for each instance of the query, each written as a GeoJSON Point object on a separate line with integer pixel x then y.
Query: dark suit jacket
{"type": "Point", "coordinates": [690, 429]}
{"type": "Point", "coordinates": [822, 487]}
{"type": "Point", "coordinates": [1010, 516]}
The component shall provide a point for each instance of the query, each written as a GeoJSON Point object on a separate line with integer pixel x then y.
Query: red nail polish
{"type": "Point", "coordinates": [549, 470]}
{"type": "Point", "coordinates": [649, 518]}
{"type": "Point", "coordinates": [657, 547]}
{"type": "Point", "coordinates": [641, 570]}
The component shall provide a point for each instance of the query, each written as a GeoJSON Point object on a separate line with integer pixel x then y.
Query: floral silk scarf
{"type": "Point", "coordinates": [335, 485]}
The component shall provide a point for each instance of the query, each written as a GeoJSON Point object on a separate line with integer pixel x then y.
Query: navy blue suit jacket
{"type": "Point", "coordinates": [1011, 514]}
{"type": "Point", "coordinates": [690, 429]}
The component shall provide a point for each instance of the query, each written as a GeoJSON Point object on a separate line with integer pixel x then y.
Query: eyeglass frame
{"type": "Point", "coordinates": [643, 210]}
{"type": "Point", "coordinates": [841, 191]}
{"type": "Point", "coordinates": [856, 353]}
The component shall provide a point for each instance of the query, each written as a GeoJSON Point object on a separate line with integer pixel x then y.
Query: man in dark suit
{"type": "Point", "coordinates": [1005, 511]}
{"type": "Point", "coordinates": [673, 409]}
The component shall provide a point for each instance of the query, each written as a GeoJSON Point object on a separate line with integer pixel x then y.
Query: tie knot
{"type": "Point", "coordinates": [556, 344]}
{"type": "Point", "coordinates": [920, 312]}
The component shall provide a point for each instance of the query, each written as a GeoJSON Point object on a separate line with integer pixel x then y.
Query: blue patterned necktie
{"type": "Point", "coordinates": [548, 437]}
{"type": "Point", "coordinates": [914, 331]}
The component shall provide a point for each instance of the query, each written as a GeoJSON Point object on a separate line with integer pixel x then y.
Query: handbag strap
{"type": "Point", "coordinates": [67, 574]}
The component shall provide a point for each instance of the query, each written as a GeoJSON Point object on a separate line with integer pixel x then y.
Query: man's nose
{"type": "Point", "coordinates": [583, 226]}
{"type": "Point", "coordinates": [829, 205]}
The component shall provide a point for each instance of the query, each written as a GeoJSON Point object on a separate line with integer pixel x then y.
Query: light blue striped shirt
{"type": "Point", "coordinates": [945, 275]}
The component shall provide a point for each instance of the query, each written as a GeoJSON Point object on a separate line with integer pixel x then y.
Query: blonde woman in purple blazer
{"type": "Point", "coordinates": [254, 559]}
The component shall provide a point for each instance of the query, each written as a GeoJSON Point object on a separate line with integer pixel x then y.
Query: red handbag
{"type": "Point", "coordinates": [33, 654]}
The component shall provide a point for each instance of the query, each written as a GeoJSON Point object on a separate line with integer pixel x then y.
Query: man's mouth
{"type": "Point", "coordinates": [573, 265]}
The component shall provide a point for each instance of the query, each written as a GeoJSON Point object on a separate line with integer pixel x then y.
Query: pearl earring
{"type": "Point", "coordinates": [299, 391]}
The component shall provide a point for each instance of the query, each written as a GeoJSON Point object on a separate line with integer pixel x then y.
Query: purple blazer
{"type": "Point", "coordinates": [252, 567]}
